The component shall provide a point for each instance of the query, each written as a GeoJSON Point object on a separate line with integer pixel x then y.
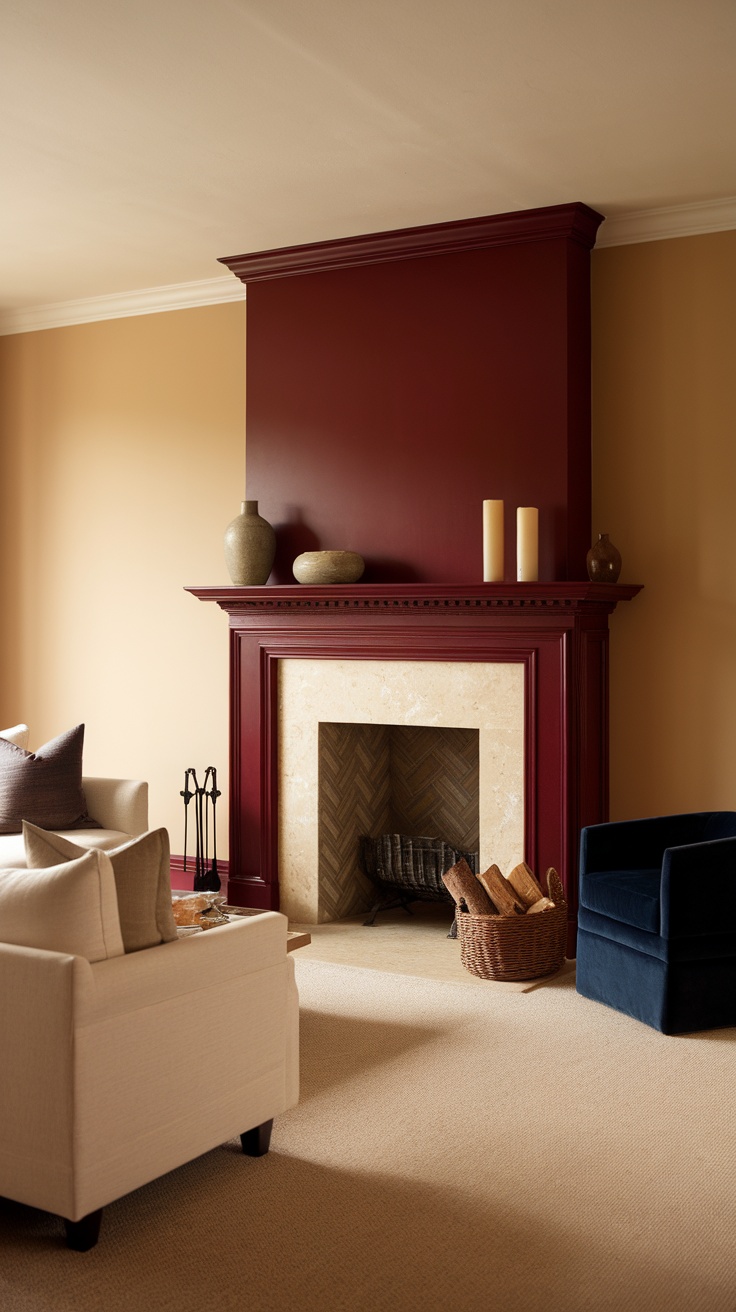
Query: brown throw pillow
{"type": "Point", "coordinates": [142, 879]}
{"type": "Point", "coordinates": [468, 893]}
{"type": "Point", "coordinates": [44, 787]}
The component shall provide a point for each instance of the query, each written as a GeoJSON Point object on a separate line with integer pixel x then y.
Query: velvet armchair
{"type": "Point", "coordinates": [657, 919]}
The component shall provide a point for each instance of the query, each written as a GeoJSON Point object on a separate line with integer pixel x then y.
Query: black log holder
{"type": "Point", "coordinates": [204, 796]}
{"type": "Point", "coordinates": [409, 869]}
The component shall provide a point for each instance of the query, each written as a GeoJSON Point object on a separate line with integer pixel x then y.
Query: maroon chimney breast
{"type": "Point", "coordinates": [396, 380]}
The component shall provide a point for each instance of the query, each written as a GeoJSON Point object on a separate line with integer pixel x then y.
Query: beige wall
{"type": "Point", "coordinates": [123, 463]}
{"type": "Point", "coordinates": [664, 477]}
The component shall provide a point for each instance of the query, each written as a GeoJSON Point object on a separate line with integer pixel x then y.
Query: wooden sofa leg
{"type": "Point", "coordinates": [83, 1234]}
{"type": "Point", "coordinates": [256, 1141]}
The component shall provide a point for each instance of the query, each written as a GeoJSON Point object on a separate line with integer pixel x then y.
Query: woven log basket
{"type": "Point", "coordinates": [515, 947]}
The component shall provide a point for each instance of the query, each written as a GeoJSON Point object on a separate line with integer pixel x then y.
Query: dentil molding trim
{"type": "Point", "coordinates": [619, 230]}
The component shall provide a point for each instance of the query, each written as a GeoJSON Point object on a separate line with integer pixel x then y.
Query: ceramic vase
{"type": "Point", "coordinates": [328, 567]}
{"type": "Point", "coordinates": [603, 561]}
{"type": "Point", "coordinates": [250, 547]}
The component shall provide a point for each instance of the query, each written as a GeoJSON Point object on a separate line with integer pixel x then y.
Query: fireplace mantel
{"type": "Point", "coordinates": [558, 632]}
{"type": "Point", "coordinates": [531, 598]}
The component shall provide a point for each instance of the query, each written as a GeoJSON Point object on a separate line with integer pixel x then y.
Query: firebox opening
{"type": "Point", "coordinates": [374, 779]}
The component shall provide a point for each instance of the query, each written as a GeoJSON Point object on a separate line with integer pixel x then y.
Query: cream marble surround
{"type": "Point", "coordinates": [488, 697]}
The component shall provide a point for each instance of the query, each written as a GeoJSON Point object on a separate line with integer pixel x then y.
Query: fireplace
{"type": "Point", "coordinates": [551, 637]}
{"type": "Point", "coordinates": [394, 381]}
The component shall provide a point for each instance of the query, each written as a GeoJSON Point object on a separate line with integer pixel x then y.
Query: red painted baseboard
{"type": "Point", "coordinates": [184, 879]}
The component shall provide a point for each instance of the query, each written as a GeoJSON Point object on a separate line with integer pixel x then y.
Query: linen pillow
{"type": "Point", "coordinates": [44, 787]}
{"type": "Point", "coordinates": [65, 908]}
{"type": "Point", "coordinates": [141, 869]}
{"type": "Point", "coordinates": [18, 735]}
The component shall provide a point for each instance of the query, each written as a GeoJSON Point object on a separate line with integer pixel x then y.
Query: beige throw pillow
{"type": "Point", "coordinates": [44, 787]}
{"type": "Point", "coordinates": [65, 908]}
{"type": "Point", "coordinates": [142, 875]}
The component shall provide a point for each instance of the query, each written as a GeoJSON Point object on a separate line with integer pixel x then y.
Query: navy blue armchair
{"type": "Point", "coordinates": [657, 919]}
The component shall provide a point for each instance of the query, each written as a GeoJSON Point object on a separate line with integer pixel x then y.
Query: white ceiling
{"type": "Point", "coordinates": [141, 139]}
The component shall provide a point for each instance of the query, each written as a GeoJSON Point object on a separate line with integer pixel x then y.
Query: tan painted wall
{"type": "Point", "coordinates": [123, 463]}
{"type": "Point", "coordinates": [664, 478]}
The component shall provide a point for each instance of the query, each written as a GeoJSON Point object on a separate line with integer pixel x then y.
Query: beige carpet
{"type": "Point", "coordinates": [454, 1149]}
{"type": "Point", "coordinates": [403, 944]}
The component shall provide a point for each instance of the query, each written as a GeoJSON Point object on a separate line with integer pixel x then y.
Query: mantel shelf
{"type": "Point", "coordinates": [407, 596]}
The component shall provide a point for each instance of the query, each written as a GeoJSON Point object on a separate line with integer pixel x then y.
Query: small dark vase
{"type": "Point", "coordinates": [603, 561]}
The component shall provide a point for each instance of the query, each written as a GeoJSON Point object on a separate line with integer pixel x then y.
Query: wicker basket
{"type": "Point", "coordinates": [516, 947]}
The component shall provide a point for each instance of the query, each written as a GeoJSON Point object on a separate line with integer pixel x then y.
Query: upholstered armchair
{"type": "Point", "coordinates": [657, 919]}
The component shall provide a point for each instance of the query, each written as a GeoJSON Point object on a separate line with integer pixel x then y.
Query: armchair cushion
{"type": "Point", "coordinates": [141, 868]}
{"type": "Point", "coordinates": [631, 896]}
{"type": "Point", "coordinates": [45, 786]}
{"type": "Point", "coordinates": [70, 908]}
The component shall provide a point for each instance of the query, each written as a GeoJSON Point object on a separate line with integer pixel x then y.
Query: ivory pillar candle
{"type": "Point", "coordinates": [493, 541]}
{"type": "Point", "coordinates": [527, 544]}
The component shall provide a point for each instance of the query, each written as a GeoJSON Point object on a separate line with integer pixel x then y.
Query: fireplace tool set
{"type": "Point", "coordinates": [206, 877]}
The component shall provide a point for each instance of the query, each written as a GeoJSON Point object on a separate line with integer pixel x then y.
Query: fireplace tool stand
{"type": "Point", "coordinates": [206, 877]}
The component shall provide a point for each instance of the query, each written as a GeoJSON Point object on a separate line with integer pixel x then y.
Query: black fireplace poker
{"type": "Point", "coordinates": [206, 877]}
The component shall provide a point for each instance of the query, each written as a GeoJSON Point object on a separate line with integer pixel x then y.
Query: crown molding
{"type": "Point", "coordinates": [122, 305]}
{"type": "Point", "coordinates": [672, 221]}
{"type": "Point", "coordinates": [620, 230]}
{"type": "Point", "coordinates": [577, 222]}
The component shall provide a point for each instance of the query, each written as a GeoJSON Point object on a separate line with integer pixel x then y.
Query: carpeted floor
{"type": "Point", "coordinates": [454, 1148]}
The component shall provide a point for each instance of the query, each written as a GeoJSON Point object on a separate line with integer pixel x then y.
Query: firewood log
{"type": "Point", "coordinates": [524, 884]}
{"type": "Point", "coordinates": [543, 904]}
{"type": "Point", "coordinates": [469, 895]}
{"type": "Point", "coordinates": [501, 893]}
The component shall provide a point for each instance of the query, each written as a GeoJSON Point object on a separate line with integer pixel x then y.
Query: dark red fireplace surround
{"type": "Point", "coordinates": [394, 381]}
{"type": "Point", "coordinates": [558, 632]}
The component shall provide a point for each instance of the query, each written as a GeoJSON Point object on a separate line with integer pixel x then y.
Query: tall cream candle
{"type": "Point", "coordinates": [493, 541]}
{"type": "Point", "coordinates": [527, 544]}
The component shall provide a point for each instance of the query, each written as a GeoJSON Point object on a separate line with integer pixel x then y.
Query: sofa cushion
{"type": "Point", "coordinates": [141, 869]}
{"type": "Point", "coordinates": [44, 787]}
{"type": "Point", "coordinates": [628, 895]}
{"type": "Point", "coordinates": [70, 907]}
{"type": "Point", "coordinates": [13, 851]}
{"type": "Point", "coordinates": [18, 735]}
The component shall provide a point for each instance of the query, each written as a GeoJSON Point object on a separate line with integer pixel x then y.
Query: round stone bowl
{"type": "Point", "coordinates": [328, 567]}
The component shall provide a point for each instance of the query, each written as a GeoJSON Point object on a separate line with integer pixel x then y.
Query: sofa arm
{"type": "Point", "coordinates": [180, 970]}
{"type": "Point", "coordinates": [187, 1046]}
{"type": "Point", "coordinates": [37, 1074]}
{"type": "Point", "coordinates": [697, 889]}
{"type": "Point", "coordinates": [637, 844]}
{"type": "Point", "coordinates": [118, 803]}
{"type": "Point", "coordinates": [113, 1077]}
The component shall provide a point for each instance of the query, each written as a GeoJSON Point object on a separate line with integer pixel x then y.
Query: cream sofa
{"type": "Point", "coordinates": [120, 806]}
{"type": "Point", "coordinates": [118, 1071]}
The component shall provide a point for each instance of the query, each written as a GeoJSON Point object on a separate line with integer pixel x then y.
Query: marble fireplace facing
{"type": "Point", "coordinates": [371, 747]}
